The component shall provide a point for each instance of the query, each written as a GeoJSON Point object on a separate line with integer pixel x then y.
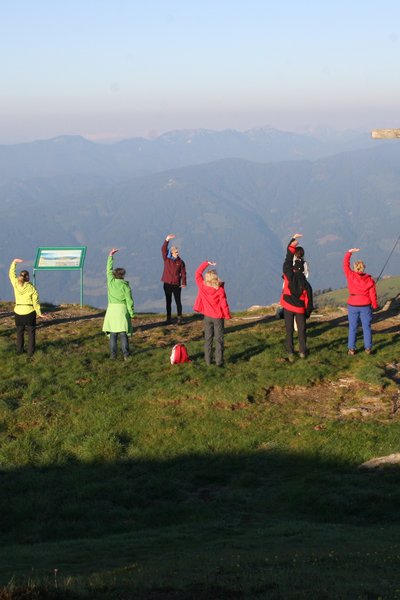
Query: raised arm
{"type": "Point", "coordinates": [199, 272]}
{"type": "Point", "coordinates": [164, 247]}
{"type": "Point", "coordinates": [12, 273]}
{"type": "Point", "coordinates": [110, 265]}
{"type": "Point", "coordinates": [346, 260]}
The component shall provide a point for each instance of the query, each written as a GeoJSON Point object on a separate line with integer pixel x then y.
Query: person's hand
{"type": "Point", "coordinates": [183, 286]}
{"type": "Point", "coordinates": [18, 260]}
{"type": "Point", "coordinates": [45, 316]}
{"type": "Point", "coordinates": [351, 250]}
{"type": "Point", "coordinates": [211, 263]}
{"type": "Point", "coordinates": [170, 236]}
{"type": "Point", "coordinates": [297, 235]}
{"type": "Point", "coordinates": [113, 251]}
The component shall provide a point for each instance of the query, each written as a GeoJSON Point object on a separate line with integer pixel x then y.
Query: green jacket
{"type": "Point", "coordinates": [119, 290]}
{"type": "Point", "coordinates": [26, 296]}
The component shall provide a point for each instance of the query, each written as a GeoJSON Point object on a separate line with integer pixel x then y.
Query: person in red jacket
{"type": "Point", "coordinates": [296, 299]}
{"type": "Point", "coordinates": [362, 299]}
{"type": "Point", "coordinates": [212, 303]}
{"type": "Point", "coordinates": [174, 277]}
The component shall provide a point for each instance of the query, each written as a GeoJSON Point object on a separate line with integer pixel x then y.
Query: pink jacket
{"type": "Point", "coordinates": [210, 301]}
{"type": "Point", "coordinates": [361, 286]}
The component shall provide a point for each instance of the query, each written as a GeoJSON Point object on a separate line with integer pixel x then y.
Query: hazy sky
{"type": "Point", "coordinates": [109, 69]}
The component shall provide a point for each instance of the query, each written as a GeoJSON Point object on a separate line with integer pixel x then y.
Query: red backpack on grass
{"type": "Point", "coordinates": [179, 354]}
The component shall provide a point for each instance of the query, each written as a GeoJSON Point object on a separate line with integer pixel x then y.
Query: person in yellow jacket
{"type": "Point", "coordinates": [26, 308]}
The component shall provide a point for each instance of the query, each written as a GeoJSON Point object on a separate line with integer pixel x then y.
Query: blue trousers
{"type": "Point", "coordinates": [124, 344]}
{"type": "Point", "coordinates": [357, 314]}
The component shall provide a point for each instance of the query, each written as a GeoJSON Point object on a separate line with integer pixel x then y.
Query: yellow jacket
{"type": "Point", "coordinates": [26, 296]}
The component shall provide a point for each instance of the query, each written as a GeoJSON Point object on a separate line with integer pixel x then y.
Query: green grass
{"type": "Point", "coordinates": [146, 480]}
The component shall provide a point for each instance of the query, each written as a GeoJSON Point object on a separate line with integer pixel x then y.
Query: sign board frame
{"type": "Point", "coordinates": [61, 258]}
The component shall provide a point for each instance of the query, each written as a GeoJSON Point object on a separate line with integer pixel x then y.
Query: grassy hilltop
{"type": "Point", "coordinates": [144, 481]}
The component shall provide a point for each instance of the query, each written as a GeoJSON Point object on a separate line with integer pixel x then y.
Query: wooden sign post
{"type": "Point", "coordinates": [385, 134]}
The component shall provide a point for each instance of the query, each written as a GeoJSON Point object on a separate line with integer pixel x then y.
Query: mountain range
{"type": "Point", "coordinates": [228, 196]}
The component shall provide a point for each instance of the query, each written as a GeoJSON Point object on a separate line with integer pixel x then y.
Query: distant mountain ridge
{"type": "Point", "coordinates": [75, 155]}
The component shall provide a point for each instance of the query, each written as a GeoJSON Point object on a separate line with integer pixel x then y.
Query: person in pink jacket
{"type": "Point", "coordinates": [212, 303]}
{"type": "Point", "coordinates": [362, 299]}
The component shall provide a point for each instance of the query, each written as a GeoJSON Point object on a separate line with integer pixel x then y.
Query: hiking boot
{"type": "Point", "coordinates": [291, 358]}
{"type": "Point", "coordinates": [351, 351]}
{"type": "Point", "coordinates": [168, 321]}
{"type": "Point", "coordinates": [179, 321]}
{"type": "Point", "coordinates": [302, 355]}
{"type": "Point", "coordinates": [368, 350]}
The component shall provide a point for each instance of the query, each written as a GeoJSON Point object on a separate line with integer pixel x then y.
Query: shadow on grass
{"type": "Point", "coordinates": [248, 324]}
{"type": "Point", "coordinates": [161, 515]}
{"type": "Point", "coordinates": [71, 319]}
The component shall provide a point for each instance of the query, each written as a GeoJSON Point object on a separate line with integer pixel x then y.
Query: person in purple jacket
{"type": "Point", "coordinates": [173, 277]}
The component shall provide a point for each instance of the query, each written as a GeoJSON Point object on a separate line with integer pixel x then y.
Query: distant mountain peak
{"type": "Point", "coordinates": [68, 139]}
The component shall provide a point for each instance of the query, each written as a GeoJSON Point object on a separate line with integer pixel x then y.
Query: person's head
{"type": "Point", "coordinates": [23, 276]}
{"type": "Point", "coordinates": [359, 266]}
{"type": "Point", "coordinates": [211, 278]}
{"type": "Point", "coordinates": [174, 252]}
{"type": "Point", "coordinates": [119, 273]}
{"type": "Point", "coordinates": [299, 252]}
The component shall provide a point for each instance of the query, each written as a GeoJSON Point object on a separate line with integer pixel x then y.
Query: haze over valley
{"type": "Point", "coordinates": [230, 196]}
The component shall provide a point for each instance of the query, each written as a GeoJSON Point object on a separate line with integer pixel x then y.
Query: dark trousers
{"type": "Point", "coordinates": [214, 331]}
{"type": "Point", "coordinates": [124, 344]}
{"type": "Point", "coordinates": [26, 323]}
{"type": "Point", "coordinates": [169, 290]}
{"type": "Point", "coordinates": [289, 317]}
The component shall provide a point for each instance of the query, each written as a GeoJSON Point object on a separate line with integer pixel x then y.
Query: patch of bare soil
{"type": "Point", "coordinates": [346, 398]}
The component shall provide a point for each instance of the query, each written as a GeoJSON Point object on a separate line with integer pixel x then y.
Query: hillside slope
{"type": "Point", "coordinates": [236, 212]}
{"type": "Point", "coordinates": [144, 480]}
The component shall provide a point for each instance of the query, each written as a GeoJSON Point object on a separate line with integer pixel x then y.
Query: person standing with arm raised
{"type": "Point", "coordinates": [362, 299]}
{"type": "Point", "coordinates": [173, 277]}
{"type": "Point", "coordinates": [120, 309]}
{"type": "Point", "coordinates": [27, 307]}
{"type": "Point", "coordinates": [212, 303]}
{"type": "Point", "coordinates": [296, 298]}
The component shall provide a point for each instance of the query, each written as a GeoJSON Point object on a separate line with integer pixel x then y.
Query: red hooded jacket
{"type": "Point", "coordinates": [361, 286]}
{"type": "Point", "coordinates": [210, 301]}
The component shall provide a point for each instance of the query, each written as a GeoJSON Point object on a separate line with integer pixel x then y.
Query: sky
{"type": "Point", "coordinates": [114, 69]}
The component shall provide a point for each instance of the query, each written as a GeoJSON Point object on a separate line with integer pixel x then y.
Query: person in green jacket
{"type": "Point", "coordinates": [120, 309]}
{"type": "Point", "coordinates": [26, 308]}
